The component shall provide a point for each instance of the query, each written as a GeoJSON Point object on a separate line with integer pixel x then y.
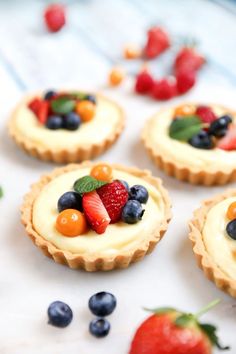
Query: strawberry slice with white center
{"type": "Point", "coordinates": [228, 142]}
{"type": "Point", "coordinates": [95, 212]}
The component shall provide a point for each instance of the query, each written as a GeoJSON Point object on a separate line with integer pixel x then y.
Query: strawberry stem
{"type": "Point", "coordinates": [207, 308]}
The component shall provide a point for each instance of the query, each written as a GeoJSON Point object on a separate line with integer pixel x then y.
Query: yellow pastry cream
{"type": "Point", "coordinates": [117, 237]}
{"type": "Point", "coordinates": [92, 132]}
{"type": "Point", "coordinates": [219, 245]}
{"type": "Point", "coordinates": [156, 133]}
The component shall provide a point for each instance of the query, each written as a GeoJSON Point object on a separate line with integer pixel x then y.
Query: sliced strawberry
{"type": "Point", "coordinates": [34, 105]}
{"type": "Point", "coordinates": [114, 197]}
{"type": "Point", "coordinates": [158, 41]}
{"type": "Point", "coordinates": [95, 212]}
{"type": "Point", "coordinates": [43, 111]}
{"type": "Point", "coordinates": [228, 142]}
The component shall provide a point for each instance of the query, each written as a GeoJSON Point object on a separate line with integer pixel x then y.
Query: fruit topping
{"type": "Point", "coordinates": [185, 110]}
{"type": "Point", "coordinates": [231, 229]}
{"type": "Point", "coordinates": [49, 95]}
{"type": "Point", "coordinates": [185, 128]}
{"type": "Point", "coordinates": [228, 142]}
{"type": "Point", "coordinates": [157, 42]}
{"type": "Point", "coordinates": [132, 52]}
{"type": "Point", "coordinates": [102, 172]}
{"type": "Point", "coordinates": [87, 184]}
{"type": "Point", "coordinates": [231, 212]}
{"type": "Point", "coordinates": [34, 105]}
{"type": "Point", "coordinates": [95, 212]}
{"type": "Point", "coordinates": [116, 76]}
{"type": "Point", "coordinates": [114, 197]}
{"type": "Point", "coordinates": [185, 80]}
{"type": "Point", "coordinates": [55, 17]}
{"type": "Point", "coordinates": [59, 314]}
{"type": "Point", "coordinates": [99, 327]}
{"type": "Point", "coordinates": [72, 121]}
{"type": "Point", "coordinates": [201, 140]}
{"type": "Point", "coordinates": [86, 110]}
{"type": "Point", "coordinates": [206, 114]}
{"type": "Point", "coordinates": [219, 127]}
{"type": "Point", "coordinates": [124, 184]}
{"type": "Point", "coordinates": [102, 304]}
{"type": "Point", "coordinates": [132, 212]}
{"type": "Point", "coordinates": [71, 223]}
{"type": "Point", "coordinates": [54, 122]}
{"type": "Point", "coordinates": [62, 105]}
{"type": "Point", "coordinates": [70, 200]}
{"type": "Point", "coordinates": [169, 331]}
{"type": "Point", "coordinates": [91, 98]}
{"type": "Point", "coordinates": [139, 193]}
{"type": "Point", "coordinates": [188, 59]}
{"type": "Point", "coordinates": [144, 82]}
{"type": "Point", "coordinates": [164, 89]}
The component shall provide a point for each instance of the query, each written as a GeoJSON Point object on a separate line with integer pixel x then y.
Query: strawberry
{"type": "Point", "coordinates": [169, 331]}
{"type": "Point", "coordinates": [95, 212]}
{"type": "Point", "coordinates": [34, 105]}
{"type": "Point", "coordinates": [206, 114]}
{"type": "Point", "coordinates": [185, 80]}
{"type": "Point", "coordinates": [114, 197]}
{"type": "Point", "coordinates": [164, 89]}
{"type": "Point", "coordinates": [228, 142]}
{"type": "Point", "coordinates": [157, 42]}
{"type": "Point", "coordinates": [40, 108]}
{"type": "Point", "coordinates": [55, 18]}
{"type": "Point", "coordinates": [188, 59]}
{"type": "Point", "coordinates": [144, 82]}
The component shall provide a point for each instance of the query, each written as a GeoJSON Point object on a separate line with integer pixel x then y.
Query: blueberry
{"type": "Point", "coordinates": [91, 98]}
{"type": "Point", "coordinates": [132, 212]}
{"type": "Point", "coordinates": [202, 140]}
{"type": "Point", "coordinates": [219, 126]}
{"type": "Point", "coordinates": [59, 314]}
{"type": "Point", "coordinates": [102, 304]}
{"type": "Point", "coordinates": [54, 122]}
{"type": "Point", "coordinates": [70, 200]}
{"type": "Point", "coordinates": [125, 184]}
{"type": "Point", "coordinates": [72, 121]}
{"type": "Point", "coordinates": [231, 229]}
{"type": "Point", "coordinates": [99, 327]}
{"type": "Point", "coordinates": [139, 193]}
{"type": "Point", "coordinates": [49, 95]}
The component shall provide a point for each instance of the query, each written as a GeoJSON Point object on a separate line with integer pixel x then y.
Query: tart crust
{"type": "Point", "coordinates": [71, 154]}
{"type": "Point", "coordinates": [186, 173]}
{"type": "Point", "coordinates": [204, 260]}
{"type": "Point", "coordinates": [95, 262]}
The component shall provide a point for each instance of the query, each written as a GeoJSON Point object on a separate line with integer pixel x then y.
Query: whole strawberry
{"type": "Point", "coordinates": [144, 82]}
{"type": "Point", "coordinates": [185, 80]}
{"type": "Point", "coordinates": [157, 42]}
{"type": "Point", "coordinates": [188, 59]}
{"type": "Point", "coordinates": [169, 331]}
{"type": "Point", "coordinates": [164, 89]}
{"type": "Point", "coordinates": [55, 17]}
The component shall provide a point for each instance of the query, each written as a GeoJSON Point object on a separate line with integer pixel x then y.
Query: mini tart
{"type": "Point", "coordinates": [119, 246]}
{"type": "Point", "coordinates": [214, 250]}
{"type": "Point", "coordinates": [183, 161]}
{"type": "Point", "coordinates": [61, 146]}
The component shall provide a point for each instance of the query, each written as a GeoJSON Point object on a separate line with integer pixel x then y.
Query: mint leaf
{"type": "Point", "coordinates": [160, 310]}
{"type": "Point", "coordinates": [210, 331]}
{"type": "Point", "coordinates": [184, 128]}
{"type": "Point", "coordinates": [1, 192]}
{"type": "Point", "coordinates": [63, 105]}
{"type": "Point", "coordinates": [87, 184]}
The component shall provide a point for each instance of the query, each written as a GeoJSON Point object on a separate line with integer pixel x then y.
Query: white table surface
{"type": "Point", "coordinates": [30, 59]}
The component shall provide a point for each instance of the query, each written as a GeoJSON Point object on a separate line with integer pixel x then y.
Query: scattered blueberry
{"type": "Point", "coordinates": [59, 314]}
{"type": "Point", "coordinates": [125, 184]}
{"type": "Point", "coordinates": [72, 121]}
{"type": "Point", "coordinates": [91, 98]}
{"type": "Point", "coordinates": [49, 95]}
{"type": "Point", "coordinates": [99, 327]}
{"type": "Point", "coordinates": [70, 200]}
{"type": "Point", "coordinates": [132, 212]}
{"type": "Point", "coordinates": [219, 126]}
{"type": "Point", "coordinates": [202, 140]}
{"type": "Point", "coordinates": [102, 304]}
{"type": "Point", "coordinates": [54, 122]}
{"type": "Point", "coordinates": [138, 193]}
{"type": "Point", "coordinates": [231, 229]}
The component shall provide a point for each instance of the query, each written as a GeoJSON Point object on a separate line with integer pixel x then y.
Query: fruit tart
{"type": "Point", "coordinates": [66, 126]}
{"type": "Point", "coordinates": [213, 235]}
{"type": "Point", "coordinates": [194, 143]}
{"type": "Point", "coordinates": [96, 216]}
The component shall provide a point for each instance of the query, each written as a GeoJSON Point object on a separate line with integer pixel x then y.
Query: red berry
{"type": "Point", "coordinates": [188, 59]}
{"type": "Point", "coordinates": [54, 17]}
{"type": "Point", "coordinates": [185, 80]}
{"type": "Point", "coordinates": [144, 82]}
{"type": "Point", "coordinates": [228, 142]}
{"type": "Point", "coordinates": [34, 105]}
{"type": "Point", "coordinates": [114, 197]}
{"type": "Point", "coordinates": [40, 109]}
{"type": "Point", "coordinates": [206, 114]}
{"type": "Point", "coordinates": [164, 89]}
{"type": "Point", "coordinates": [95, 212]}
{"type": "Point", "coordinates": [158, 41]}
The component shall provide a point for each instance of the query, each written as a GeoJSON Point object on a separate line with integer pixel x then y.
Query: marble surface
{"type": "Point", "coordinates": [30, 58]}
